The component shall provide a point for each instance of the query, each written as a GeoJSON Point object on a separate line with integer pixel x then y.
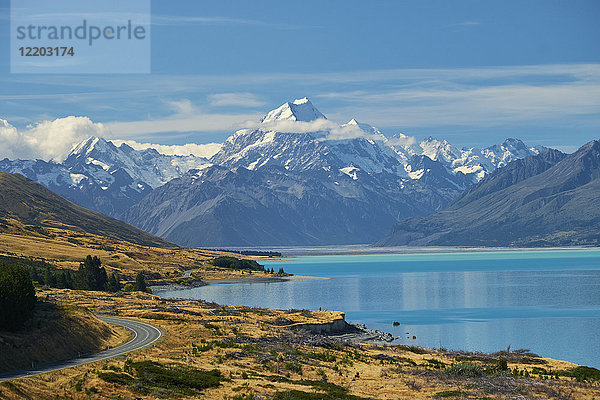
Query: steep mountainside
{"type": "Point", "coordinates": [273, 206]}
{"type": "Point", "coordinates": [514, 172]}
{"type": "Point", "coordinates": [31, 203]}
{"type": "Point", "coordinates": [550, 199]}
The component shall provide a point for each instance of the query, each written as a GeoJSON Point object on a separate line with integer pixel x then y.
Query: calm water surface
{"type": "Point", "coordinates": [546, 301]}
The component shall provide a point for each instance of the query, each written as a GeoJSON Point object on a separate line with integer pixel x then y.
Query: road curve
{"type": "Point", "coordinates": [144, 335]}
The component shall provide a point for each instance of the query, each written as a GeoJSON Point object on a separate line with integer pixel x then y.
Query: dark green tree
{"type": "Point", "coordinates": [17, 296]}
{"type": "Point", "coordinates": [34, 275]}
{"type": "Point", "coordinates": [63, 280]}
{"type": "Point", "coordinates": [235, 263]}
{"type": "Point", "coordinates": [113, 284]}
{"type": "Point", "coordinates": [50, 278]}
{"type": "Point", "coordinates": [91, 275]}
{"type": "Point", "coordinates": [69, 276]}
{"type": "Point", "coordinates": [140, 283]}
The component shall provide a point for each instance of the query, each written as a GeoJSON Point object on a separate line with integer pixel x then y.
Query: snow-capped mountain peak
{"type": "Point", "coordinates": [439, 150]}
{"type": "Point", "coordinates": [366, 128]}
{"type": "Point", "coordinates": [92, 143]}
{"type": "Point", "coordinates": [298, 110]}
{"type": "Point", "coordinates": [509, 150]}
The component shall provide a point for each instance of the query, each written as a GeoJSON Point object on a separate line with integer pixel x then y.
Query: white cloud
{"type": "Point", "coordinates": [471, 105]}
{"type": "Point", "coordinates": [192, 123]}
{"type": "Point", "coordinates": [198, 150]}
{"type": "Point", "coordinates": [344, 132]}
{"type": "Point", "coordinates": [462, 25]}
{"type": "Point", "coordinates": [323, 129]}
{"type": "Point", "coordinates": [182, 107]}
{"type": "Point", "coordinates": [9, 140]}
{"type": "Point", "coordinates": [235, 99]}
{"type": "Point", "coordinates": [469, 98]}
{"type": "Point", "coordinates": [401, 140]}
{"type": "Point", "coordinates": [289, 126]}
{"type": "Point", "coordinates": [48, 140]}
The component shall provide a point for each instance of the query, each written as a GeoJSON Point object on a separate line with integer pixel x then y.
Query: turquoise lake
{"type": "Point", "coordinates": [545, 301]}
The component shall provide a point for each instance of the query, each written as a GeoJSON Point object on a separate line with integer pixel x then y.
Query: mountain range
{"type": "Point", "coordinates": [103, 177]}
{"type": "Point", "coordinates": [550, 199]}
{"type": "Point", "coordinates": [293, 179]}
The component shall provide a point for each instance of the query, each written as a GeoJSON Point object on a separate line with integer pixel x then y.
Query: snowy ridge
{"type": "Point", "coordinates": [103, 177]}
{"type": "Point", "coordinates": [146, 167]}
{"type": "Point", "coordinates": [298, 110]}
{"type": "Point", "coordinates": [358, 145]}
{"type": "Point", "coordinates": [473, 162]}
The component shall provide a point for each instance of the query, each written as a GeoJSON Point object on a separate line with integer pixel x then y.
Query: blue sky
{"type": "Point", "coordinates": [472, 72]}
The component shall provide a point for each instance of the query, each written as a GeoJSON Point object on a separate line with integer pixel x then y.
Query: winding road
{"type": "Point", "coordinates": [144, 335]}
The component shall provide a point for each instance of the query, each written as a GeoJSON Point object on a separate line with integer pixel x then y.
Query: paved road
{"type": "Point", "coordinates": [144, 335]}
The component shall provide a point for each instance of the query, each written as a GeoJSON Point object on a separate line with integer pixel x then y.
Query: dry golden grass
{"type": "Point", "coordinates": [67, 249]}
{"type": "Point", "coordinates": [257, 352]}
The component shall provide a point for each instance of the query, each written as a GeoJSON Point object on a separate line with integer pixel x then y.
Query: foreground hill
{"type": "Point", "coordinates": [31, 203]}
{"type": "Point", "coordinates": [545, 200]}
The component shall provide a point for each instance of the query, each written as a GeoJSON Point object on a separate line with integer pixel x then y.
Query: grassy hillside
{"type": "Point", "coordinates": [31, 203]}
{"type": "Point", "coordinates": [66, 249]}
{"type": "Point", "coordinates": [55, 333]}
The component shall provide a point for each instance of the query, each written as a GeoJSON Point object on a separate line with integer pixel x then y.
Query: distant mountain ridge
{"type": "Point", "coordinates": [550, 199]}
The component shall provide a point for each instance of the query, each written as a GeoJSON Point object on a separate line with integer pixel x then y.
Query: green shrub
{"type": "Point", "coordinates": [114, 377]}
{"type": "Point", "coordinates": [294, 367]}
{"type": "Point", "coordinates": [500, 366]}
{"type": "Point", "coordinates": [467, 369]}
{"type": "Point", "coordinates": [153, 374]}
{"type": "Point", "coordinates": [413, 349]}
{"type": "Point", "coordinates": [299, 395]}
{"type": "Point", "coordinates": [448, 393]}
{"type": "Point", "coordinates": [435, 363]}
{"type": "Point", "coordinates": [582, 374]}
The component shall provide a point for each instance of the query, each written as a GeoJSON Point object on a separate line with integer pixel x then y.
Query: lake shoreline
{"type": "Point", "coordinates": [367, 249]}
{"type": "Point", "coordinates": [274, 279]}
{"type": "Point", "coordinates": [230, 281]}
